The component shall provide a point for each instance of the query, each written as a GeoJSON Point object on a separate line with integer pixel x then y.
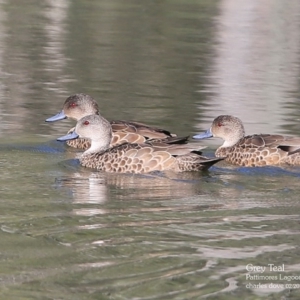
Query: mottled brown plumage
{"type": "Point", "coordinates": [134, 158]}
{"type": "Point", "coordinates": [122, 137]}
{"type": "Point", "coordinates": [80, 105]}
{"type": "Point", "coordinates": [252, 150]}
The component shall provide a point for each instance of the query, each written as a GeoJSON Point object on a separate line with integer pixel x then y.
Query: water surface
{"type": "Point", "coordinates": [73, 233]}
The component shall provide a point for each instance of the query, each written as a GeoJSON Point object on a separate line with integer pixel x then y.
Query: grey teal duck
{"type": "Point", "coordinates": [252, 150]}
{"type": "Point", "coordinates": [132, 157]}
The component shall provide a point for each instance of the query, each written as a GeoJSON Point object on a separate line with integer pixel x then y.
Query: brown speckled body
{"type": "Point", "coordinates": [123, 137]}
{"type": "Point", "coordinates": [81, 144]}
{"type": "Point", "coordinates": [143, 158]}
{"type": "Point", "coordinates": [261, 150]}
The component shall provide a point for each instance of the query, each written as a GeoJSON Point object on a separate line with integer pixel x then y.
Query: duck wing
{"type": "Point", "coordinates": [175, 149]}
{"type": "Point", "coordinates": [149, 132]}
{"type": "Point", "coordinates": [291, 145]}
{"type": "Point", "coordinates": [288, 144]}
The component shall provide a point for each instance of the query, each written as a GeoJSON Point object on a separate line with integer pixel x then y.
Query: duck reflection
{"type": "Point", "coordinates": [99, 187]}
{"type": "Point", "coordinates": [85, 188]}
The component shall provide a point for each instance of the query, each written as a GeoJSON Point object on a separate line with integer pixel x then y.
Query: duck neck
{"type": "Point", "coordinates": [97, 146]}
{"type": "Point", "coordinates": [228, 144]}
{"type": "Point", "coordinates": [234, 139]}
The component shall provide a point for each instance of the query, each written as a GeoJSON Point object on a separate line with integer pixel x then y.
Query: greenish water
{"type": "Point", "coordinates": [70, 233]}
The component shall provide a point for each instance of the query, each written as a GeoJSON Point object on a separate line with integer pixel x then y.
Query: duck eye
{"type": "Point", "coordinates": [220, 124]}
{"type": "Point", "coordinates": [73, 104]}
{"type": "Point", "coordinates": [86, 123]}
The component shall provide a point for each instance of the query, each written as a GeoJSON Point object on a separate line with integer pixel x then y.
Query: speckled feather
{"type": "Point", "coordinates": [122, 137]}
{"type": "Point", "coordinates": [262, 150]}
{"type": "Point", "coordinates": [143, 158]}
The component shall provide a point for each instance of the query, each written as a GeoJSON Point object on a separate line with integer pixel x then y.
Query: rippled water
{"type": "Point", "coordinates": [72, 233]}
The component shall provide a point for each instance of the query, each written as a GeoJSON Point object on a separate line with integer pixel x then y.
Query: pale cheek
{"type": "Point", "coordinates": [226, 131]}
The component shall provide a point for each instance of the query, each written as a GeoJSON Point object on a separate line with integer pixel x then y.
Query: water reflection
{"type": "Point", "coordinates": [94, 187]}
{"type": "Point", "coordinates": [55, 61]}
{"type": "Point", "coordinates": [85, 189]}
{"type": "Point", "coordinates": [256, 67]}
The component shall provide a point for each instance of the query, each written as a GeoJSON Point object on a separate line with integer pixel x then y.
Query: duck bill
{"type": "Point", "coordinates": [70, 136]}
{"type": "Point", "coordinates": [207, 134]}
{"type": "Point", "coordinates": [57, 117]}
